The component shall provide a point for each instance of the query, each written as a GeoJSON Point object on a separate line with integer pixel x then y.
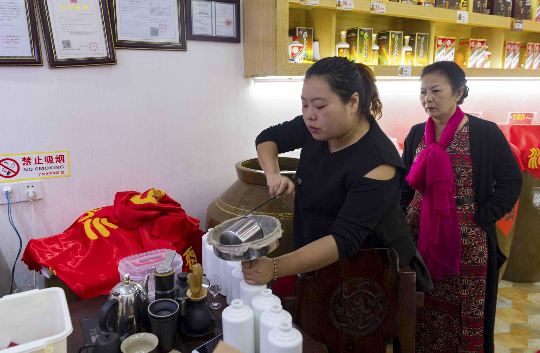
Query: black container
{"type": "Point", "coordinates": [164, 282]}
{"type": "Point", "coordinates": [198, 320]}
{"type": "Point", "coordinates": [163, 315]}
{"type": "Point", "coordinates": [180, 295]}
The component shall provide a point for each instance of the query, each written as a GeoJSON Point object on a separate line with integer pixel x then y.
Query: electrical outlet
{"type": "Point", "coordinates": [14, 195]}
{"type": "Point", "coordinates": [25, 186]}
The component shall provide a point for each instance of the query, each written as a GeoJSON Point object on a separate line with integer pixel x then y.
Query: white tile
{"type": "Point", "coordinates": [534, 297]}
{"type": "Point", "coordinates": [506, 284]}
{"type": "Point", "coordinates": [534, 319]}
{"type": "Point", "coordinates": [499, 348]}
{"type": "Point", "coordinates": [503, 302]}
{"type": "Point", "coordinates": [501, 326]}
{"type": "Point", "coordinates": [534, 343]}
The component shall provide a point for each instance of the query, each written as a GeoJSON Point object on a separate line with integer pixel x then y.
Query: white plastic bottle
{"type": "Point", "coordinates": [271, 319]}
{"type": "Point", "coordinates": [342, 48]}
{"type": "Point", "coordinates": [248, 292]}
{"type": "Point", "coordinates": [203, 252]}
{"type": "Point", "coordinates": [285, 339]}
{"type": "Point", "coordinates": [223, 276]}
{"type": "Point", "coordinates": [374, 51]}
{"type": "Point", "coordinates": [406, 52]}
{"type": "Point", "coordinates": [212, 261]}
{"type": "Point", "coordinates": [296, 50]}
{"type": "Point", "coordinates": [237, 277]}
{"type": "Point", "coordinates": [238, 326]}
{"type": "Point", "coordinates": [231, 265]}
{"type": "Point", "coordinates": [260, 303]}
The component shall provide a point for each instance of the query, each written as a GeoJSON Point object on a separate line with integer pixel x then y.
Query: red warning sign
{"type": "Point", "coordinates": [9, 168]}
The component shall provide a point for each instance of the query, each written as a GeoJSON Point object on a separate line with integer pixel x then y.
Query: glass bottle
{"type": "Point", "coordinates": [296, 50]}
{"type": "Point", "coordinates": [342, 48]}
{"type": "Point", "coordinates": [406, 52]}
{"type": "Point", "coordinates": [374, 51]}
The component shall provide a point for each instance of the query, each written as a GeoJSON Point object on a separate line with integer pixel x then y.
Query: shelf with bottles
{"type": "Point", "coordinates": [406, 10]}
{"type": "Point", "coordinates": [267, 24]}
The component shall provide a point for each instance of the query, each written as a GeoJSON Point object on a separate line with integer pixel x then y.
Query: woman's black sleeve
{"type": "Point", "coordinates": [508, 182]}
{"type": "Point", "coordinates": [407, 193]}
{"type": "Point", "coordinates": [364, 206]}
{"type": "Point", "coordinates": [288, 136]}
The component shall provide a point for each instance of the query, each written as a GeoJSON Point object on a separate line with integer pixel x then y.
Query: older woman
{"type": "Point", "coordinates": [462, 178]}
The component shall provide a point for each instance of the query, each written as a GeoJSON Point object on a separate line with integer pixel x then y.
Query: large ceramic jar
{"type": "Point", "coordinates": [523, 261]}
{"type": "Point", "coordinates": [249, 191]}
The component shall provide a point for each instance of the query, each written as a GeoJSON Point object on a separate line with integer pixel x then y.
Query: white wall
{"type": "Point", "coordinates": [178, 121]}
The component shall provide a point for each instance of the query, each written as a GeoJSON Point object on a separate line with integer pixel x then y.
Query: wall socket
{"type": "Point", "coordinates": [25, 186]}
{"type": "Point", "coordinates": [14, 195]}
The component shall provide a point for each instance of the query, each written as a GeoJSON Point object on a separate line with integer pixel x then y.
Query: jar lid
{"type": "Point", "coordinates": [126, 287]}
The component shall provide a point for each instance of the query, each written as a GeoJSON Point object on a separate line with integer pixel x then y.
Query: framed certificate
{"type": "Point", "coordinates": [19, 40]}
{"type": "Point", "coordinates": [77, 32]}
{"type": "Point", "coordinates": [149, 24]}
{"type": "Point", "coordinates": [214, 20]}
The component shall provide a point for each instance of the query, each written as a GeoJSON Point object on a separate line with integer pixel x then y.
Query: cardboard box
{"type": "Point", "coordinates": [526, 56]}
{"type": "Point", "coordinates": [480, 53]}
{"type": "Point", "coordinates": [487, 59]}
{"type": "Point", "coordinates": [536, 60]}
{"type": "Point", "coordinates": [528, 10]}
{"type": "Point", "coordinates": [360, 40]}
{"type": "Point", "coordinates": [515, 56]}
{"type": "Point", "coordinates": [467, 51]}
{"type": "Point", "coordinates": [419, 43]}
{"type": "Point", "coordinates": [507, 8]}
{"type": "Point", "coordinates": [496, 7]}
{"type": "Point", "coordinates": [508, 54]}
{"type": "Point", "coordinates": [440, 48]}
{"type": "Point", "coordinates": [480, 6]}
{"type": "Point", "coordinates": [223, 347]}
{"type": "Point", "coordinates": [518, 9]}
{"type": "Point", "coordinates": [429, 3]}
{"type": "Point", "coordinates": [463, 4]}
{"type": "Point", "coordinates": [390, 46]}
{"type": "Point", "coordinates": [305, 36]}
{"type": "Point", "coordinates": [450, 50]}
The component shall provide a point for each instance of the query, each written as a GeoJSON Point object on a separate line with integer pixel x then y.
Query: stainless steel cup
{"type": "Point", "coordinates": [246, 229]}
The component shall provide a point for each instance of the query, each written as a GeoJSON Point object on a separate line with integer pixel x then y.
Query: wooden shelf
{"type": "Point", "coordinates": [266, 25]}
{"type": "Point", "coordinates": [391, 71]}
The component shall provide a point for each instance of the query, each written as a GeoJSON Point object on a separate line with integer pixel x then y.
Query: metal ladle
{"type": "Point", "coordinates": [246, 229]}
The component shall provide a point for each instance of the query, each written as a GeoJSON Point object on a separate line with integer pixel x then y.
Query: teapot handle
{"type": "Point", "coordinates": [104, 313]}
{"type": "Point", "coordinates": [86, 346]}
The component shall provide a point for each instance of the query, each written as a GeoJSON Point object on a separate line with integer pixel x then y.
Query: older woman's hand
{"type": "Point", "coordinates": [278, 183]}
{"type": "Point", "coordinates": [259, 271]}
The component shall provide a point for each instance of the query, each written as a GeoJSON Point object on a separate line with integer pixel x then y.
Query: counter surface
{"type": "Point", "coordinates": [89, 308]}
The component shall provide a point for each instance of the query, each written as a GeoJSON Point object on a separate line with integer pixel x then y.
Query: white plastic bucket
{"type": "Point", "coordinates": [37, 320]}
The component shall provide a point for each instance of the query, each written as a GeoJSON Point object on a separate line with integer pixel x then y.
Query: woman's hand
{"type": "Point", "coordinates": [278, 183]}
{"type": "Point", "coordinates": [258, 272]}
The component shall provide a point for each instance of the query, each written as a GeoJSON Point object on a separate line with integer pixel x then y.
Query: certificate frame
{"type": "Point", "coordinates": [50, 43]}
{"type": "Point", "coordinates": [214, 38]}
{"type": "Point", "coordinates": [35, 59]}
{"type": "Point", "coordinates": [126, 44]}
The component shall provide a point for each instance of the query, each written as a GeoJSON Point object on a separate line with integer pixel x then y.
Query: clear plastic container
{"type": "Point", "coordinates": [140, 265]}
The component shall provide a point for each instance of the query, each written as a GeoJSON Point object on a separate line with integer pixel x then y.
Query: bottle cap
{"type": "Point", "coordinates": [343, 34]}
{"type": "Point", "coordinates": [295, 38]}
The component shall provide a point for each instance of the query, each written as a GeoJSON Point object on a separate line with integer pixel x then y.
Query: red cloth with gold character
{"type": "Point", "coordinates": [86, 256]}
{"type": "Point", "coordinates": [526, 139]}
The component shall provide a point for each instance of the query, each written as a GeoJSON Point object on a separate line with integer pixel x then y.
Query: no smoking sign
{"type": "Point", "coordinates": [9, 168]}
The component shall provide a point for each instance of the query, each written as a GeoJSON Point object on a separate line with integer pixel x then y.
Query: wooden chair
{"type": "Point", "coordinates": [360, 304]}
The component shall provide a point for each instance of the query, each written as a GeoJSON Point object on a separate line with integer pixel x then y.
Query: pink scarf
{"type": "Point", "coordinates": [439, 241]}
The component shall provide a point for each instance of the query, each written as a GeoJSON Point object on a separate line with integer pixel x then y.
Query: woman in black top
{"type": "Point", "coordinates": [348, 177]}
